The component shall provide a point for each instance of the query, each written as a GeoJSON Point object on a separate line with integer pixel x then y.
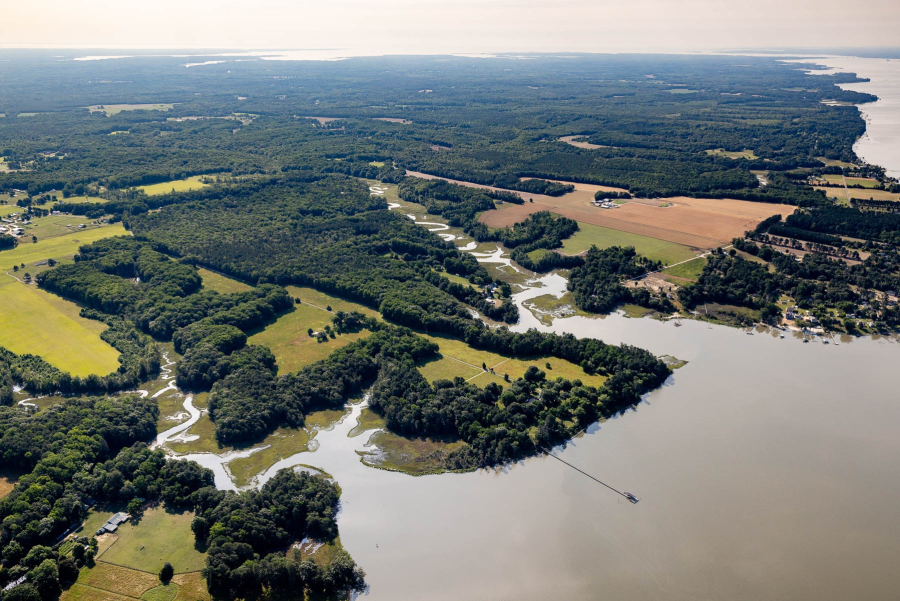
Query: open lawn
{"type": "Point", "coordinates": [603, 237]}
{"type": "Point", "coordinates": [158, 537]}
{"type": "Point", "coordinates": [288, 337]}
{"type": "Point", "coordinates": [37, 322]}
{"type": "Point", "coordinates": [577, 143]}
{"type": "Point", "coordinates": [178, 185]}
{"type": "Point", "coordinates": [221, 283]}
{"type": "Point", "coordinates": [56, 248]}
{"type": "Point", "coordinates": [115, 109]}
{"type": "Point", "coordinates": [688, 271]}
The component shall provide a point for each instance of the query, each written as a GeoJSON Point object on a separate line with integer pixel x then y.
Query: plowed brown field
{"type": "Point", "coordinates": [695, 222]}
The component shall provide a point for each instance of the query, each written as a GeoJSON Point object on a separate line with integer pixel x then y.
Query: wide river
{"type": "Point", "coordinates": [767, 469]}
{"type": "Point", "coordinates": [881, 143]}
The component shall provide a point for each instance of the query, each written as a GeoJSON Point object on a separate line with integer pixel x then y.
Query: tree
{"type": "Point", "coordinates": [34, 239]}
{"type": "Point", "coordinates": [45, 579]}
{"type": "Point", "coordinates": [23, 592]}
{"type": "Point", "coordinates": [78, 553]}
{"type": "Point", "coordinates": [68, 571]}
{"type": "Point", "coordinates": [166, 573]}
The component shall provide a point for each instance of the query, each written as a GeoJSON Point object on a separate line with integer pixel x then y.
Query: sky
{"type": "Point", "coordinates": [372, 27]}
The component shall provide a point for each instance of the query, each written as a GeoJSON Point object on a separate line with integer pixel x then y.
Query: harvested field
{"type": "Point", "coordinates": [693, 222]}
{"type": "Point", "coordinates": [323, 120]}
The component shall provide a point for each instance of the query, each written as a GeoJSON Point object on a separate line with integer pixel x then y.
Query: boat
{"type": "Point", "coordinates": [630, 497]}
{"type": "Point", "coordinates": [677, 324]}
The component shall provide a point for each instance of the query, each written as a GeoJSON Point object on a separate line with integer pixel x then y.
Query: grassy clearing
{"type": "Point", "coordinates": [221, 283]}
{"type": "Point", "coordinates": [468, 357]}
{"type": "Point", "coordinates": [7, 482]}
{"type": "Point", "coordinates": [458, 279]}
{"type": "Point", "coordinates": [56, 248]}
{"type": "Point", "coordinates": [865, 182]}
{"type": "Point", "coordinates": [115, 109]}
{"type": "Point", "coordinates": [835, 163]}
{"type": "Point", "coordinates": [603, 237]}
{"type": "Point", "coordinates": [743, 154]}
{"type": "Point", "coordinates": [44, 324]}
{"type": "Point", "coordinates": [178, 185]}
{"type": "Point", "coordinates": [158, 537]}
{"type": "Point", "coordinates": [689, 271]}
{"type": "Point", "coordinates": [447, 368]}
{"type": "Point", "coordinates": [289, 339]}
{"type": "Point", "coordinates": [413, 456]}
{"type": "Point", "coordinates": [162, 592]}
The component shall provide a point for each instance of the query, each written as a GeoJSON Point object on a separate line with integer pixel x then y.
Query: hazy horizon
{"type": "Point", "coordinates": [356, 27]}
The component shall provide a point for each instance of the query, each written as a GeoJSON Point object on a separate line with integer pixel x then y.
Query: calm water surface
{"type": "Point", "coordinates": [881, 143]}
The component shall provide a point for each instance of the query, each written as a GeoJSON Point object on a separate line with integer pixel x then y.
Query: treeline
{"type": "Point", "coordinates": [845, 221]}
{"type": "Point", "coordinates": [597, 285]}
{"type": "Point", "coordinates": [732, 280]}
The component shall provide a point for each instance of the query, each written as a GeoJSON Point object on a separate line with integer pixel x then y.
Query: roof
{"type": "Point", "coordinates": [117, 518]}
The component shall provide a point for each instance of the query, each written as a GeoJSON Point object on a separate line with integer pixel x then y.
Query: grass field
{"type": "Point", "coordinates": [40, 323]}
{"type": "Point", "coordinates": [689, 271]}
{"type": "Point", "coordinates": [54, 226]}
{"type": "Point", "coordinates": [221, 283]}
{"type": "Point", "coordinates": [743, 154]}
{"type": "Point", "coordinates": [288, 338]}
{"type": "Point", "coordinates": [603, 237]}
{"type": "Point", "coordinates": [158, 537]}
{"type": "Point", "coordinates": [178, 185]}
{"type": "Point", "coordinates": [56, 248]}
{"type": "Point", "coordinates": [115, 109]}
{"type": "Point", "coordinates": [466, 362]}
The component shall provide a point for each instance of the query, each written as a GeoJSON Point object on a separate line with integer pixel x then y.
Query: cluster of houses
{"type": "Point", "coordinates": [605, 203]}
{"type": "Point", "coordinates": [794, 314]}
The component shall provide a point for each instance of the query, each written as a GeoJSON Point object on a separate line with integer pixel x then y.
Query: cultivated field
{"type": "Point", "coordinates": [106, 582]}
{"type": "Point", "coordinates": [178, 185]}
{"type": "Point", "coordinates": [56, 248]}
{"type": "Point", "coordinates": [692, 222]}
{"type": "Point", "coordinates": [700, 223]}
{"type": "Point", "coordinates": [40, 323]}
